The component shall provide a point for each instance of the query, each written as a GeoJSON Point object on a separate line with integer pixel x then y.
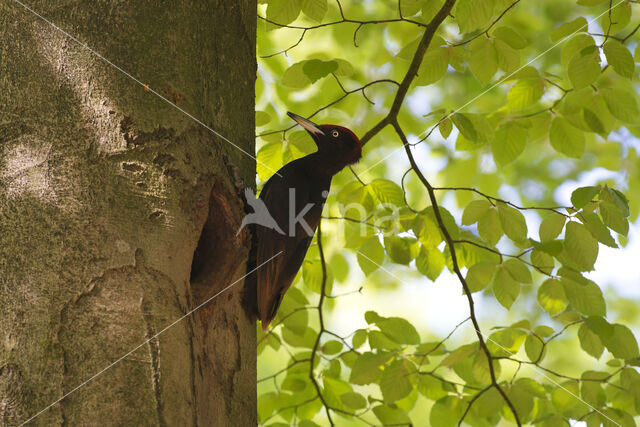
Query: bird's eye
{"type": "Point", "coordinates": [335, 133]}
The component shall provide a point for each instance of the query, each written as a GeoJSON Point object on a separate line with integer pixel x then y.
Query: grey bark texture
{"type": "Point", "coordinates": [106, 193]}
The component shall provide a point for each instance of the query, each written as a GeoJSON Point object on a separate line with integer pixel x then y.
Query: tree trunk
{"type": "Point", "coordinates": [106, 193]}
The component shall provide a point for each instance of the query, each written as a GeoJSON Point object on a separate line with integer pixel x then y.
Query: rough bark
{"type": "Point", "coordinates": [105, 193]}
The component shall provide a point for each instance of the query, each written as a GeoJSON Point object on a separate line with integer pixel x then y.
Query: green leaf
{"type": "Point", "coordinates": [480, 369]}
{"type": "Point", "coordinates": [551, 227]}
{"type": "Point", "coordinates": [506, 342]}
{"type": "Point", "coordinates": [505, 289]}
{"type": "Point", "coordinates": [394, 382]}
{"type": "Point", "coordinates": [267, 405]}
{"type": "Point", "coordinates": [599, 326]}
{"type": "Point", "coordinates": [551, 297]}
{"type": "Point", "coordinates": [344, 68]}
{"type": "Point", "coordinates": [465, 126]}
{"type": "Point", "coordinates": [564, 398]}
{"type": "Point", "coordinates": [269, 160]}
{"type": "Point", "coordinates": [367, 368]}
{"type": "Point", "coordinates": [262, 118]}
{"type": "Point", "coordinates": [473, 14]}
{"type": "Point", "coordinates": [622, 104]}
{"type": "Point", "coordinates": [297, 321]}
{"type": "Point", "coordinates": [511, 37]}
{"type": "Point", "coordinates": [542, 260]}
{"type": "Point", "coordinates": [593, 121]}
{"type": "Point", "coordinates": [583, 195]}
{"type": "Point", "coordinates": [474, 211]}
{"type": "Point", "coordinates": [613, 217]}
{"type": "Point", "coordinates": [433, 67]}
{"type": "Point", "coordinates": [445, 128]}
{"type": "Point", "coordinates": [569, 28]}
{"type": "Point", "coordinates": [533, 347]}
{"type": "Point", "coordinates": [508, 57]}
{"type": "Point", "coordinates": [283, 12]}
{"type": "Point", "coordinates": [359, 338]}
{"type": "Point", "coordinates": [618, 18]}
{"type": "Point", "coordinates": [575, 46]}
{"type": "Point", "coordinates": [295, 340]}
{"type": "Point", "coordinates": [391, 416]}
{"type": "Point", "coordinates": [619, 57]}
{"type": "Point", "coordinates": [370, 255]}
{"type": "Point", "coordinates": [401, 250]}
{"type": "Point", "coordinates": [295, 77]}
{"type": "Point", "coordinates": [479, 275]}
{"type": "Point", "coordinates": [427, 231]}
{"type": "Point", "coordinates": [386, 191]}
{"type": "Point", "coordinates": [399, 330]}
{"type": "Point", "coordinates": [525, 92]}
{"type": "Point", "coordinates": [544, 330]}
{"type": "Point", "coordinates": [622, 344]}
{"type": "Point", "coordinates": [510, 141]}
{"type": "Point", "coordinates": [580, 248]}
{"type": "Point", "coordinates": [410, 7]}
{"type": "Point", "coordinates": [597, 228]}
{"type": "Point", "coordinates": [379, 341]}
{"type": "Point", "coordinates": [333, 389]}
{"type": "Point", "coordinates": [430, 262]}
{"type": "Point", "coordinates": [518, 270]}
{"type": "Point", "coordinates": [522, 398]}
{"type": "Point", "coordinates": [489, 403]}
{"type": "Point", "coordinates": [484, 59]}
{"type": "Point", "coordinates": [489, 227]}
{"type": "Point", "coordinates": [431, 388]}
{"type": "Point", "coordinates": [353, 400]}
{"type": "Point", "coordinates": [630, 380]}
{"type": "Point", "coordinates": [618, 198]}
{"type": "Point", "coordinates": [458, 355]}
{"type": "Point", "coordinates": [447, 219]}
{"type": "Point", "coordinates": [371, 317]}
{"type": "Point", "coordinates": [583, 70]}
{"type": "Point", "coordinates": [590, 342]}
{"type": "Point", "coordinates": [575, 100]}
{"type": "Point", "coordinates": [446, 412]}
{"type": "Point", "coordinates": [430, 8]}
{"type": "Point", "coordinates": [312, 276]}
{"type": "Point", "coordinates": [565, 138]}
{"type": "Point", "coordinates": [584, 298]}
{"type": "Point", "coordinates": [316, 69]}
{"type": "Point", "coordinates": [332, 347]}
{"type": "Point", "coordinates": [513, 222]}
{"type": "Point", "coordinates": [315, 9]}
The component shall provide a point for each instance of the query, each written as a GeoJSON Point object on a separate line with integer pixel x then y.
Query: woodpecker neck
{"type": "Point", "coordinates": [324, 163]}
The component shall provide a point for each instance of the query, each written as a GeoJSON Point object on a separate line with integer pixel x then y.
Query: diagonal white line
{"type": "Point", "coordinates": [537, 368]}
{"type": "Point", "coordinates": [495, 84]}
{"type": "Point", "coordinates": [542, 373]}
{"type": "Point", "coordinates": [145, 342]}
{"type": "Point", "coordinates": [147, 88]}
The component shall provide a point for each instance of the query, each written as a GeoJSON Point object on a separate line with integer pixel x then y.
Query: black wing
{"type": "Point", "coordinates": [276, 276]}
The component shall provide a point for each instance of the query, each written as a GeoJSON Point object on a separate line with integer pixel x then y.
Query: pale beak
{"type": "Point", "coordinates": [308, 125]}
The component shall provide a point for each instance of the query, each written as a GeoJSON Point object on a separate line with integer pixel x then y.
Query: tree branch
{"type": "Point", "coordinates": [412, 72]}
{"type": "Point", "coordinates": [456, 268]}
{"type": "Point", "coordinates": [344, 95]}
{"type": "Point", "coordinates": [486, 31]}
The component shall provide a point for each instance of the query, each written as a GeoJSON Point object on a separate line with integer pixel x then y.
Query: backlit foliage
{"type": "Point", "coordinates": [473, 113]}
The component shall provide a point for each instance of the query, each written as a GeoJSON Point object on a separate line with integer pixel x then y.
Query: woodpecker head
{"type": "Point", "coordinates": [336, 141]}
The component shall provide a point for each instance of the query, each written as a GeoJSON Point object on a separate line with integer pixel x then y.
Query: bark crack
{"type": "Point", "coordinates": [154, 353]}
